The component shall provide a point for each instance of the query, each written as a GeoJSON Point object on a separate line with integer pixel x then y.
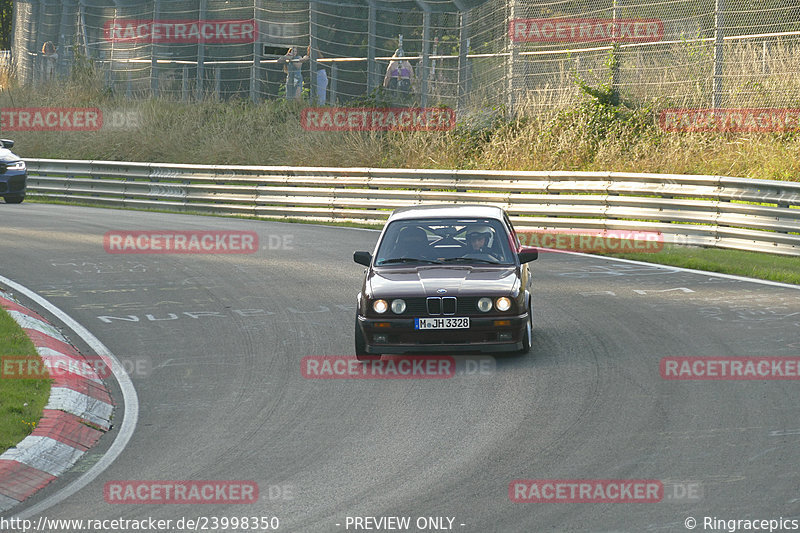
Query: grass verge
{"type": "Point", "coordinates": [585, 132]}
{"type": "Point", "coordinates": [780, 268]}
{"type": "Point", "coordinates": [21, 400]}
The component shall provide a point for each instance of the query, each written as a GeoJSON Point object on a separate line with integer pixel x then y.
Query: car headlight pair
{"type": "Point", "coordinates": [381, 306]}
{"type": "Point", "coordinates": [16, 165]}
{"type": "Point", "coordinates": [501, 304]}
{"type": "Point", "coordinates": [398, 305]}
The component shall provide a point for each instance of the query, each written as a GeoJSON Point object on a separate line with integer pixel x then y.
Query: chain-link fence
{"type": "Point", "coordinates": [464, 54]}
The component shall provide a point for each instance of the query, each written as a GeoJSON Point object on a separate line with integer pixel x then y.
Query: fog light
{"type": "Point", "coordinates": [398, 306]}
{"type": "Point", "coordinates": [485, 305]}
{"type": "Point", "coordinates": [503, 304]}
{"type": "Point", "coordinates": [380, 306]}
{"type": "Point", "coordinates": [504, 336]}
{"type": "Point", "coordinates": [379, 339]}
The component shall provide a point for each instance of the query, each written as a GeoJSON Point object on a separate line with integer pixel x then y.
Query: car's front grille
{"type": "Point", "coordinates": [442, 306]}
{"type": "Point", "coordinates": [435, 306]}
{"type": "Point", "coordinates": [3, 168]}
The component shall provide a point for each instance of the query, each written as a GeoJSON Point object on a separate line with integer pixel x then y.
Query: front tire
{"type": "Point", "coordinates": [14, 199]}
{"type": "Point", "coordinates": [361, 346]}
{"type": "Point", "coordinates": [527, 337]}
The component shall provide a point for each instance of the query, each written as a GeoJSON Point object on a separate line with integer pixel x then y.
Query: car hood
{"type": "Point", "coordinates": [457, 281]}
{"type": "Point", "coordinates": [7, 155]}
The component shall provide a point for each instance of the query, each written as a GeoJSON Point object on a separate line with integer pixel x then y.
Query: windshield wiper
{"type": "Point", "coordinates": [408, 260]}
{"type": "Point", "coordinates": [473, 260]}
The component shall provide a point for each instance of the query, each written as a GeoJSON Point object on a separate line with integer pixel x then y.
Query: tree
{"type": "Point", "coordinates": [6, 16]}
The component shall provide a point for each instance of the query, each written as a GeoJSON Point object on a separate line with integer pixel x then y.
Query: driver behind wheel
{"type": "Point", "coordinates": [478, 240]}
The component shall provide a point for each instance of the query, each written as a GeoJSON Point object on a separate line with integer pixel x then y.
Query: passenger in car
{"type": "Point", "coordinates": [411, 242]}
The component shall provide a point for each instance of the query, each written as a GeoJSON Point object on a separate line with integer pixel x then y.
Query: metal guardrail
{"type": "Point", "coordinates": [713, 211]}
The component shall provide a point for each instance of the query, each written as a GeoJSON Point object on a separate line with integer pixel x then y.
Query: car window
{"type": "Point", "coordinates": [462, 240]}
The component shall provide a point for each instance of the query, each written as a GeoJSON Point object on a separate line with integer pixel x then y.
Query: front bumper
{"type": "Point", "coordinates": [482, 336]}
{"type": "Point", "coordinates": [13, 183]}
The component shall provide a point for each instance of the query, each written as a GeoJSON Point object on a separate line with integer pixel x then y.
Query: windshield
{"type": "Point", "coordinates": [443, 241]}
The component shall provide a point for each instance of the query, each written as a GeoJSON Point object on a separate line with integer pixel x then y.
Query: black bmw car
{"type": "Point", "coordinates": [13, 174]}
{"type": "Point", "coordinates": [445, 278]}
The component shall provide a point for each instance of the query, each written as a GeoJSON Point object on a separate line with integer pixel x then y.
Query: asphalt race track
{"type": "Point", "coordinates": [224, 398]}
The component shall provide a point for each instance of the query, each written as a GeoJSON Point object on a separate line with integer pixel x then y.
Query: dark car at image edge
{"type": "Point", "coordinates": [445, 279]}
{"type": "Point", "coordinates": [13, 174]}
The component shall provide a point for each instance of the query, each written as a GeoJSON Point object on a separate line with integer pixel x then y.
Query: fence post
{"type": "Point", "coordinates": [371, 65]}
{"type": "Point", "coordinates": [201, 55]}
{"type": "Point", "coordinates": [217, 81]}
{"type": "Point", "coordinates": [614, 59]}
{"type": "Point", "coordinates": [185, 84]}
{"type": "Point", "coordinates": [67, 27]}
{"type": "Point", "coordinates": [463, 50]}
{"type": "Point", "coordinates": [312, 41]}
{"type": "Point", "coordinates": [719, 35]}
{"type": "Point", "coordinates": [513, 60]}
{"type": "Point", "coordinates": [153, 55]}
{"type": "Point", "coordinates": [334, 79]}
{"type": "Point", "coordinates": [255, 69]}
{"type": "Point", "coordinates": [33, 29]}
{"type": "Point", "coordinates": [426, 39]}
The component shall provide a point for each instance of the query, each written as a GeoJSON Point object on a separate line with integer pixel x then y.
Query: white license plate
{"type": "Point", "coordinates": [442, 323]}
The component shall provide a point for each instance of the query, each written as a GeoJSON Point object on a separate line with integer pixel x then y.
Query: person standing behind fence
{"type": "Point", "coordinates": [322, 79]}
{"type": "Point", "coordinates": [399, 74]}
{"type": "Point", "coordinates": [292, 66]}
{"type": "Point", "coordinates": [49, 60]}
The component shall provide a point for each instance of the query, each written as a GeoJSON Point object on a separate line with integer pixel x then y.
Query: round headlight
{"type": "Point", "coordinates": [380, 306]}
{"type": "Point", "coordinates": [398, 306]}
{"type": "Point", "coordinates": [503, 304]}
{"type": "Point", "coordinates": [485, 305]}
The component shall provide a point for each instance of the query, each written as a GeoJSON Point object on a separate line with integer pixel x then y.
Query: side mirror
{"type": "Point", "coordinates": [7, 143]}
{"type": "Point", "coordinates": [362, 258]}
{"type": "Point", "coordinates": [526, 255]}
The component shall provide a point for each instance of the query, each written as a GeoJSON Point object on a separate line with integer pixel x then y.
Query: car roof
{"type": "Point", "coordinates": [447, 211]}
